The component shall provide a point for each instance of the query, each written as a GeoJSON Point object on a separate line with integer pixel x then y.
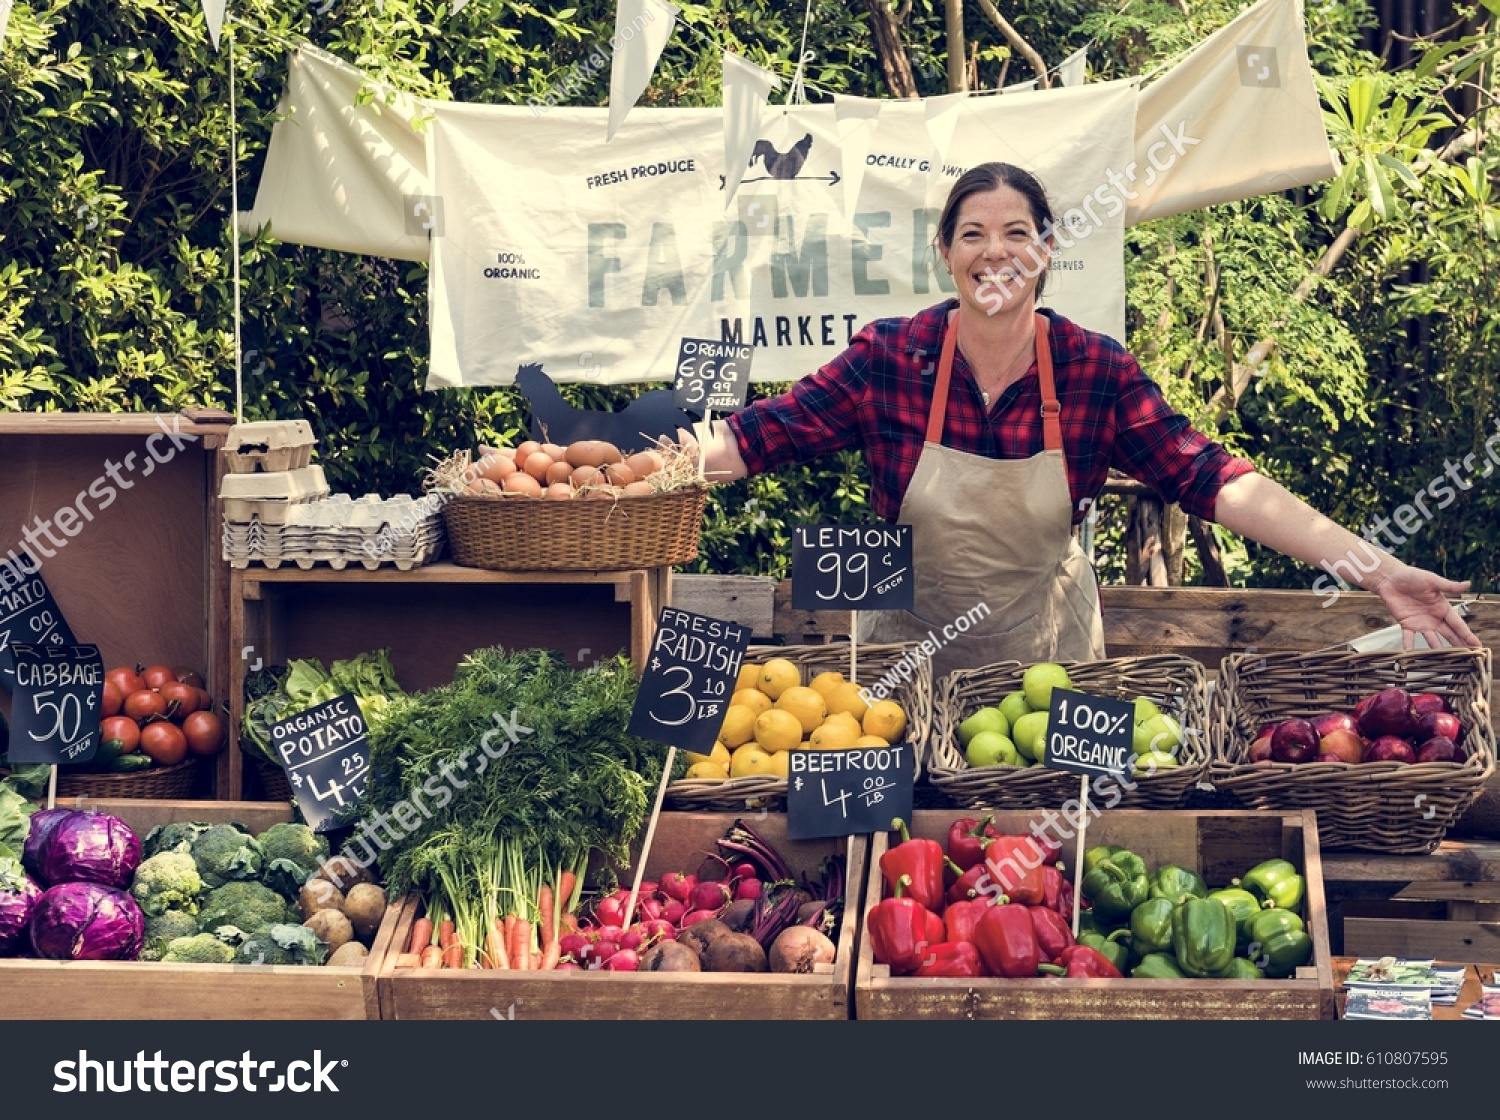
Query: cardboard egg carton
{"type": "Point", "coordinates": [269, 446]}
{"type": "Point", "coordinates": [339, 531]}
{"type": "Point", "coordinates": [269, 498]}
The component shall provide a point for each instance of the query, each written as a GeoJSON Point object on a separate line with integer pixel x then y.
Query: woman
{"type": "Point", "coordinates": [990, 427]}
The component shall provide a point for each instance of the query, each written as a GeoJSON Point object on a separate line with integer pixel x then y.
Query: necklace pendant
{"type": "Point", "coordinates": [984, 396]}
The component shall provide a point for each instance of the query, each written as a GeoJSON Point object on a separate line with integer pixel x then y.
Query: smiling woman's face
{"type": "Point", "coordinates": [997, 254]}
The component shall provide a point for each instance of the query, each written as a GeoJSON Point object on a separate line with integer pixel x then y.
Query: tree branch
{"type": "Point", "coordinates": [888, 46]}
{"type": "Point", "coordinates": [1017, 44]}
{"type": "Point", "coordinates": [953, 17]}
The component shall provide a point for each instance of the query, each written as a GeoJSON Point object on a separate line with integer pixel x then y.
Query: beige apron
{"type": "Point", "coordinates": [993, 549]}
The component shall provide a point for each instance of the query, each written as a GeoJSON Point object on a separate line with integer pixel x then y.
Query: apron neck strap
{"type": "Point", "coordinates": [1051, 410]}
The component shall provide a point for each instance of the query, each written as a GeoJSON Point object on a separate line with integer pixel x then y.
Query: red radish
{"type": "Point", "coordinates": [625, 960]}
{"type": "Point", "coordinates": [673, 912]}
{"type": "Point", "coordinates": [709, 896]}
{"type": "Point", "coordinates": [677, 886]}
{"type": "Point", "coordinates": [573, 944]}
{"type": "Point", "coordinates": [610, 912]}
{"type": "Point", "coordinates": [1425, 702]}
{"type": "Point", "coordinates": [650, 909]}
{"type": "Point", "coordinates": [648, 888]}
{"type": "Point", "coordinates": [601, 951]}
{"type": "Point", "coordinates": [693, 917]}
{"type": "Point", "coordinates": [632, 939]}
{"type": "Point", "coordinates": [744, 870]}
{"type": "Point", "coordinates": [657, 929]}
{"type": "Point", "coordinates": [747, 888]}
{"type": "Point", "coordinates": [568, 966]}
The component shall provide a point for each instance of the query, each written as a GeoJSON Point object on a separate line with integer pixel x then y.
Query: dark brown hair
{"type": "Point", "coordinates": [992, 176]}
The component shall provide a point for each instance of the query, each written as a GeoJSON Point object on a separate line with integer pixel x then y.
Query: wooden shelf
{"type": "Point", "coordinates": [1464, 861]}
{"type": "Point", "coordinates": [431, 573]}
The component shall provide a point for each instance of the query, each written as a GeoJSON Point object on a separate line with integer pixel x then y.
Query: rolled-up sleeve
{"type": "Point", "coordinates": [1156, 445]}
{"type": "Point", "coordinates": [819, 414]}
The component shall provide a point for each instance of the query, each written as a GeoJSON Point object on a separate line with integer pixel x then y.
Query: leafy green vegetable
{"type": "Point", "coordinates": [167, 881]}
{"type": "Point", "coordinates": [282, 944]}
{"type": "Point", "coordinates": [175, 837]}
{"type": "Point", "coordinates": [225, 853]}
{"type": "Point", "coordinates": [245, 906]}
{"type": "Point", "coordinates": [292, 853]}
{"type": "Point", "coordinates": [162, 929]}
{"type": "Point", "coordinates": [15, 817]}
{"type": "Point", "coordinates": [282, 693]}
{"type": "Point", "coordinates": [200, 948]}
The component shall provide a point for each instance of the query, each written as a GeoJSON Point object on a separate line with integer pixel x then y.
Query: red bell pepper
{"type": "Point", "coordinates": [1015, 863]}
{"type": "Point", "coordinates": [951, 959]}
{"type": "Point", "coordinates": [901, 929]}
{"type": "Point", "coordinates": [961, 917]}
{"type": "Point", "coordinates": [967, 886]}
{"type": "Point", "coordinates": [1057, 892]}
{"type": "Point", "coordinates": [1007, 943]}
{"type": "Point", "coordinates": [967, 839]}
{"type": "Point", "coordinates": [922, 860]}
{"type": "Point", "coordinates": [1053, 935]}
{"type": "Point", "coordinates": [1084, 962]}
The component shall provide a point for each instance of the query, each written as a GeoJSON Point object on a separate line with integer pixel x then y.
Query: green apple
{"type": "Point", "coordinates": [1154, 760]}
{"type": "Point", "coordinates": [1014, 706]}
{"type": "Point", "coordinates": [1145, 708]}
{"type": "Point", "coordinates": [990, 748]}
{"type": "Point", "coordinates": [1140, 738]}
{"type": "Point", "coordinates": [1039, 681]}
{"type": "Point", "coordinates": [1162, 733]}
{"type": "Point", "coordinates": [985, 719]}
{"type": "Point", "coordinates": [1030, 734]}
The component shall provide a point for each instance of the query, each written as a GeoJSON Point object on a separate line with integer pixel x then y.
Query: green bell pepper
{"type": "Point", "coordinates": [1115, 947]}
{"type": "Point", "coordinates": [1116, 883]}
{"type": "Point", "coordinates": [1203, 936]}
{"type": "Point", "coordinates": [1240, 969]}
{"type": "Point", "coordinates": [1276, 881]}
{"type": "Point", "coordinates": [1175, 883]}
{"type": "Point", "coordinates": [1151, 926]}
{"type": "Point", "coordinates": [1244, 906]}
{"type": "Point", "coordinates": [1157, 966]}
{"type": "Point", "coordinates": [1279, 942]}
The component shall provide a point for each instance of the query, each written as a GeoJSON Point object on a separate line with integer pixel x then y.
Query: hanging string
{"type": "Point", "coordinates": [796, 94]}
{"type": "Point", "coordinates": [234, 224]}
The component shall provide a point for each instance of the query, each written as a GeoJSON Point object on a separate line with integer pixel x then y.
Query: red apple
{"type": "Point", "coordinates": [1334, 721]}
{"type": "Point", "coordinates": [1294, 741]}
{"type": "Point", "coordinates": [1389, 714]}
{"type": "Point", "coordinates": [1345, 746]}
{"type": "Point", "coordinates": [1326, 757]}
{"type": "Point", "coordinates": [1439, 725]}
{"type": "Point", "coordinates": [1260, 750]}
{"type": "Point", "coordinates": [1388, 748]}
{"type": "Point", "coordinates": [1425, 702]}
{"type": "Point", "coordinates": [1439, 749]}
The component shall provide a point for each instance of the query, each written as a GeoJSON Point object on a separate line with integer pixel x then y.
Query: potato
{"type": "Point", "coordinates": [799, 948]}
{"type": "Point", "coordinates": [319, 894]}
{"type": "Point", "coordinates": [331, 928]}
{"type": "Point", "coordinates": [351, 954]}
{"type": "Point", "coordinates": [700, 935]}
{"type": "Point", "coordinates": [735, 952]}
{"type": "Point", "coordinates": [670, 956]}
{"type": "Point", "coordinates": [345, 872]}
{"type": "Point", "coordinates": [364, 906]}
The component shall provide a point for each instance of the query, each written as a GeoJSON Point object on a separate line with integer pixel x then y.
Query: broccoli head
{"type": "Point", "coordinates": [292, 853]}
{"type": "Point", "coordinates": [226, 853]}
{"type": "Point", "coordinates": [163, 928]}
{"type": "Point", "coordinates": [281, 944]}
{"type": "Point", "coordinates": [167, 881]}
{"type": "Point", "coordinates": [201, 948]}
{"type": "Point", "coordinates": [175, 837]}
{"type": "Point", "coordinates": [246, 906]}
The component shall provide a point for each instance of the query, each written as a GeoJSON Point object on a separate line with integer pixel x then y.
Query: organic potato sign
{"type": "Point", "coordinates": [28, 614]}
{"type": "Point", "coordinates": [712, 376]}
{"type": "Point", "coordinates": [55, 703]}
{"type": "Point", "coordinates": [690, 675]}
{"type": "Point", "coordinates": [843, 792]}
{"type": "Point", "coordinates": [852, 567]}
{"type": "Point", "coordinates": [1089, 734]}
{"type": "Point", "coordinates": [326, 754]}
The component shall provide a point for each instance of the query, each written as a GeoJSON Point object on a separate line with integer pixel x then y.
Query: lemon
{"type": "Point", "coordinates": [824, 683]}
{"type": "Point", "coordinates": [805, 704]}
{"type": "Point", "coordinates": [752, 698]}
{"type": "Point", "coordinates": [870, 741]}
{"type": "Point", "coordinates": [846, 698]}
{"type": "Point", "coordinates": [777, 730]}
{"type": "Point", "coordinates": [781, 764]}
{"type": "Point", "coordinates": [886, 719]}
{"type": "Point", "coordinates": [749, 676]}
{"type": "Point", "coordinates": [739, 725]}
{"type": "Point", "coordinates": [750, 760]}
{"type": "Point", "coordinates": [777, 675]}
{"type": "Point", "coordinates": [835, 733]}
{"type": "Point", "coordinates": [708, 770]}
{"type": "Point", "coordinates": [719, 756]}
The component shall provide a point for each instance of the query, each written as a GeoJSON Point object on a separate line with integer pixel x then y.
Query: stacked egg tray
{"type": "Point", "coordinates": [339, 531]}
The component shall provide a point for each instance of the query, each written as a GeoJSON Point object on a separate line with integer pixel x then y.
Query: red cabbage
{"type": "Point", "coordinates": [87, 922]}
{"type": "Point", "coordinates": [18, 895]}
{"type": "Point", "coordinates": [90, 848]}
{"type": "Point", "coordinates": [43, 822]}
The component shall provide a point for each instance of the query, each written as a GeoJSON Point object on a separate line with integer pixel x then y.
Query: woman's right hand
{"type": "Point", "coordinates": [714, 445]}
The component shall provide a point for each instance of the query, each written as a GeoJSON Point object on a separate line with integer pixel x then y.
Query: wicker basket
{"type": "Point", "coordinates": [521, 534]}
{"type": "Point", "coordinates": [158, 783]}
{"type": "Point", "coordinates": [273, 780]}
{"type": "Point", "coordinates": [1389, 807]}
{"type": "Point", "coordinates": [769, 792]}
{"type": "Point", "coordinates": [1178, 684]}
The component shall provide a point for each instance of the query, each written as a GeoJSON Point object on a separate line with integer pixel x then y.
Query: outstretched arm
{"type": "Point", "coordinates": [722, 461]}
{"type": "Point", "coordinates": [1257, 507]}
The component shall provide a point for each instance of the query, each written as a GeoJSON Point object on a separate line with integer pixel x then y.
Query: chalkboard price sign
{"type": "Point", "coordinates": [852, 567]}
{"type": "Point", "coordinates": [326, 754]}
{"type": "Point", "coordinates": [684, 693]}
{"type": "Point", "coordinates": [712, 376]}
{"type": "Point", "coordinates": [1090, 734]}
{"type": "Point", "coordinates": [55, 703]}
{"type": "Point", "coordinates": [841, 793]}
{"type": "Point", "coordinates": [28, 614]}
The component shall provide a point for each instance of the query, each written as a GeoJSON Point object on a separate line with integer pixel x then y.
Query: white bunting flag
{"type": "Point", "coordinates": [213, 11]}
{"type": "Point", "coordinates": [4, 15]}
{"type": "Point", "coordinates": [1072, 69]}
{"type": "Point", "coordinates": [642, 28]}
{"type": "Point", "coordinates": [857, 118]}
{"type": "Point", "coordinates": [747, 88]}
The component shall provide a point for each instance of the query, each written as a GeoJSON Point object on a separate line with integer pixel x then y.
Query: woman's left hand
{"type": "Point", "coordinates": [1418, 600]}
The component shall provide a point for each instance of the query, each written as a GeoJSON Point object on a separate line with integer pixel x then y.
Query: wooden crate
{"type": "Point", "coordinates": [39, 989]}
{"type": "Point", "coordinates": [682, 840]}
{"type": "Point", "coordinates": [1219, 845]}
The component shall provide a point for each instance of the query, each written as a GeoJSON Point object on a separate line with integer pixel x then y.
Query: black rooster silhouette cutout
{"type": "Point", "coordinates": [782, 165]}
{"type": "Point", "coordinates": [635, 427]}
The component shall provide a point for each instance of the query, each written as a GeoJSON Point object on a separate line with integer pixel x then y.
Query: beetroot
{"type": "Point", "coordinates": [698, 917]}
{"type": "Point", "coordinates": [670, 956]}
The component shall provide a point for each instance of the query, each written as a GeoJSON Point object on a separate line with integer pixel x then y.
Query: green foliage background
{"type": "Point", "coordinates": [115, 288]}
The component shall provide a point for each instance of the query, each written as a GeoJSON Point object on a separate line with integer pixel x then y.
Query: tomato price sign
{"type": "Point", "coordinates": [690, 676]}
{"type": "Point", "coordinates": [840, 793]}
{"type": "Point", "coordinates": [1090, 734]}
{"type": "Point", "coordinates": [55, 704]}
{"type": "Point", "coordinates": [28, 614]}
{"type": "Point", "coordinates": [326, 754]}
{"type": "Point", "coordinates": [712, 376]}
{"type": "Point", "coordinates": [852, 567]}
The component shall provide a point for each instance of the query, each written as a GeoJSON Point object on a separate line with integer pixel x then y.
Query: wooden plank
{"type": "Point", "coordinates": [107, 423]}
{"type": "Point", "coordinates": [747, 600]}
{"type": "Point", "coordinates": [1453, 891]}
{"type": "Point", "coordinates": [1460, 942]}
{"type": "Point", "coordinates": [1455, 860]}
{"type": "Point", "coordinates": [431, 573]}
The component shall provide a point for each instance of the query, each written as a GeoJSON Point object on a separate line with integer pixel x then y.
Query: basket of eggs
{"type": "Point", "coordinates": [583, 507]}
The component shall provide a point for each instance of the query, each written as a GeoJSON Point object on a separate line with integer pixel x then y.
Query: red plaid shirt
{"type": "Point", "coordinates": [876, 396]}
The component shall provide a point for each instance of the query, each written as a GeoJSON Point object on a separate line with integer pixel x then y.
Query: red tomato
{"type": "Point", "coordinates": [189, 676]}
{"type": "Point", "coordinates": [122, 728]}
{"type": "Point", "coordinates": [113, 700]}
{"type": "Point", "coordinates": [164, 743]}
{"type": "Point", "coordinates": [145, 705]}
{"type": "Point", "coordinates": [204, 732]}
{"type": "Point", "coordinates": [182, 700]}
{"type": "Point", "coordinates": [205, 701]}
{"type": "Point", "coordinates": [158, 675]}
{"type": "Point", "coordinates": [125, 679]}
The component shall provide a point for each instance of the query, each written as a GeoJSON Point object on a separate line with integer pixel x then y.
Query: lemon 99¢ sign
{"type": "Point", "coordinates": [689, 679]}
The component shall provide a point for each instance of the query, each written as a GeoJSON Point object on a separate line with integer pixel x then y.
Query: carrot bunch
{"type": "Point", "coordinates": [512, 941]}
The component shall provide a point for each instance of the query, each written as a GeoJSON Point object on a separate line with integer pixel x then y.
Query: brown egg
{"type": "Point", "coordinates": [644, 463]}
{"type": "Point", "coordinates": [522, 483]}
{"type": "Point", "coordinates": [559, 471]}
{"type": "Point", "coordinates": [609, 492]}
{"type": "Point", "coordinates": [527, 450]}
{"type": "Point", "coordinates": [537, 464]}
{"type": "Point", "coordinates": [584, 476]}
{"type": "Point", "coordinates": [637, 490]}
{"type": "Point", "coordinates": [592, 453]}
{"type": "Point", "coordinates": [556, 450]}
{"type": "Point", "coordinates": [619, 474]}
{"type": "Point", "coordinates": [483, 488]}
{"type": "Point", "coordinates": [497, 468]}
{"type": "Point", "coordinates": [559, 491]}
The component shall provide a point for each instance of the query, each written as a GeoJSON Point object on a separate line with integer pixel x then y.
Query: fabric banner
{"type": "Point", "coordinates": [1072, 70]}
{"type": "Point", "coordinates": [596, 259]}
